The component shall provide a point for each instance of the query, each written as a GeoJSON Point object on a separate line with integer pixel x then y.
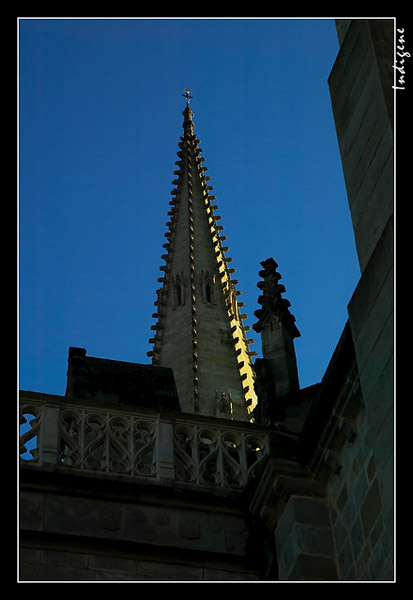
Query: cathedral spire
{"type": "Point", "coordinates": [199, 331]}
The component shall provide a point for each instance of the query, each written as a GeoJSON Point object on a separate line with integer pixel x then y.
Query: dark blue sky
{"type": "Point", "coordinates": [99, 123]}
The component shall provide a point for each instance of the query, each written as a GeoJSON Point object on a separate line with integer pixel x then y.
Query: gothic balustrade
{"type": "Point", "coordinates": [139, 443]}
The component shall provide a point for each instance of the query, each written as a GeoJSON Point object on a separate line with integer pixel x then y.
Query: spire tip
{"type": "Point", "coordinates": [187, 96]}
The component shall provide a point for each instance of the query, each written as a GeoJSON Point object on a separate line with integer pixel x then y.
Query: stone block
{"type": "Point", "coordinates": [29, 555]}
{"type": "Point", "coordinates": [342, 26]}
{"type": "Point", "coordinates": [61, 557]}
{"type": "Point", "coordinates": [158, 571]}
{"type": "Point", "coordinates": [356, 113]}
{"type": "Point", "coordinates": [370, 132]}
{"type": "Point", "coordinates": [373, 205]}
{"type": "Point", "coordinates": [346, 69]}
{"type": "Point", "coordinates": [342, 498]}
{"type": "Point", "coordinates": [182, 529]}
{"type": "Point", "coordinates": [376, 562]}
{"type": "Point", "coordinates": [317, 541]}
{"type": "Point", "coordinates": [376, 532]}
{"type": "Point", "coordinates": [380, 406]}
{"type": "Point", "coordinates": [340, 533]}
{"type": "Point", "coordinates": [361, 569]}
{"type": "Point", "coordinates": [112, 564]}
{"type": "Point", "coordinates": [304, 510]}
{"type": "Point", "coordinates": [313, 568]}
{"type": "Point", "coordinates": [120, 382]}
{"type": "Point", "coordinates": [345, 559]}
{"type": "Point", "coordinates": [370, 284]}
{"type": "Point", "coordinates": [380, 312]}
{"type": "Point", "coordinates": [360, 488]}
{"type": "Point", "coordinates": [357, 28]}
{"type": "Point", "coordinates": [311, 511]}
{"type": "Point", "coordinates": [43, 572]}
{"type": "Point", "coordinates": [371, 468]}
{"type": "Point", "coordinates": [222, 574]}
{"type": "Point", "coordinates": [83, 516]}
{"type": "Point", "coordinates": [356, 536]}
{"type": "Point", "coordinates": [303, 538]}
{"type": "Point", "coordinates": [386, 483]}
{"type": "Point", "coordinates": [349, 511]}
{"type": "Point", "coordinates": [31, 511]}
{"type": "Point", "coordinates": [286, 549]}
{"type": "Point", "coordinates": [370, 508]}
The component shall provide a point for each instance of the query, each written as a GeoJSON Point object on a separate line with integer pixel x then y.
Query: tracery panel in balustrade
{"type": "Point", "coordinates": [110, 443]}
{"type": "Point", "coordinates": [209, 456]}
{"type": "Point", "coordinates": [30, 432]}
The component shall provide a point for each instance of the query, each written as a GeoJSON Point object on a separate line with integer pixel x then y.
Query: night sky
{"type": "Point", "coordinates": [100, 116]}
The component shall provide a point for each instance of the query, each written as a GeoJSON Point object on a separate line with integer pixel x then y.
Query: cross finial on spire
{"type": "Point", "coordinates": [187, 96]}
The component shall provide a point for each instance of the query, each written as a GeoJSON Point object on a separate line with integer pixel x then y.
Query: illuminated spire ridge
{"type": "Point", "coordinates": [199, 331]}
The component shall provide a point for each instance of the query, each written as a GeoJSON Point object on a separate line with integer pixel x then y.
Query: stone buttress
{"type": "Point", "coordinates": [199, 331]}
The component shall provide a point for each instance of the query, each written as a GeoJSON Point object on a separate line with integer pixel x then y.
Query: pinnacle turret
{"type": "Point", "coordinates": [271, 299]}
{"type": "Point", "coordinates": [199, 330]}
{"type": "Point", "coordinates": [277, 327]}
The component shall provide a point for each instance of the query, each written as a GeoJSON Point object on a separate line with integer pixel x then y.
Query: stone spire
{"type": "Point", "coordinates": [199, 330]}
{"type": "Point", "coordinates": [277, 327]}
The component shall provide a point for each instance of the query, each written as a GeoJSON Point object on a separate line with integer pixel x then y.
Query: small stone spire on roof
{"type": "Point", "coordinates": [277, 327]}
{"type": "Point", "coordinates": [271, 299]}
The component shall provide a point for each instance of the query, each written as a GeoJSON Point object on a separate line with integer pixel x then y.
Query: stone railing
{"type": "Point", "coordinates": [133, 442]}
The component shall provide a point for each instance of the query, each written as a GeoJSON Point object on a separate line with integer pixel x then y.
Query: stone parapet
{"type": "Point", "coordinates": [139, 443]}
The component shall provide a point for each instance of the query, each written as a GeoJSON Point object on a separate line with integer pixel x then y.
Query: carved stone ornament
{"type": "Point", "coordinates": [271, 300]}
{"type": "Point", "coordinates": [208, 287]}
{"type": "Point", "coordinates": [269, 408]}
{"type": "Point", "coordinates": [223, 404]}
{"type": "Point", "coordinates": [179, 290]}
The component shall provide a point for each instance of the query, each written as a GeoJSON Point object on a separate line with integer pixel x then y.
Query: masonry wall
{"type": "Point", "coordinates": [357, 509]}
{"type": "Point", "coordinates": [362, 101]}
{"type": "Point", "coordinates": [334, 520]}
{"type": "Point", "coordinates": [95, 529]}
{"type": "Point", "coordinates": [361, 94]}
{"type": "Point", "coordinates": [304, 541]}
